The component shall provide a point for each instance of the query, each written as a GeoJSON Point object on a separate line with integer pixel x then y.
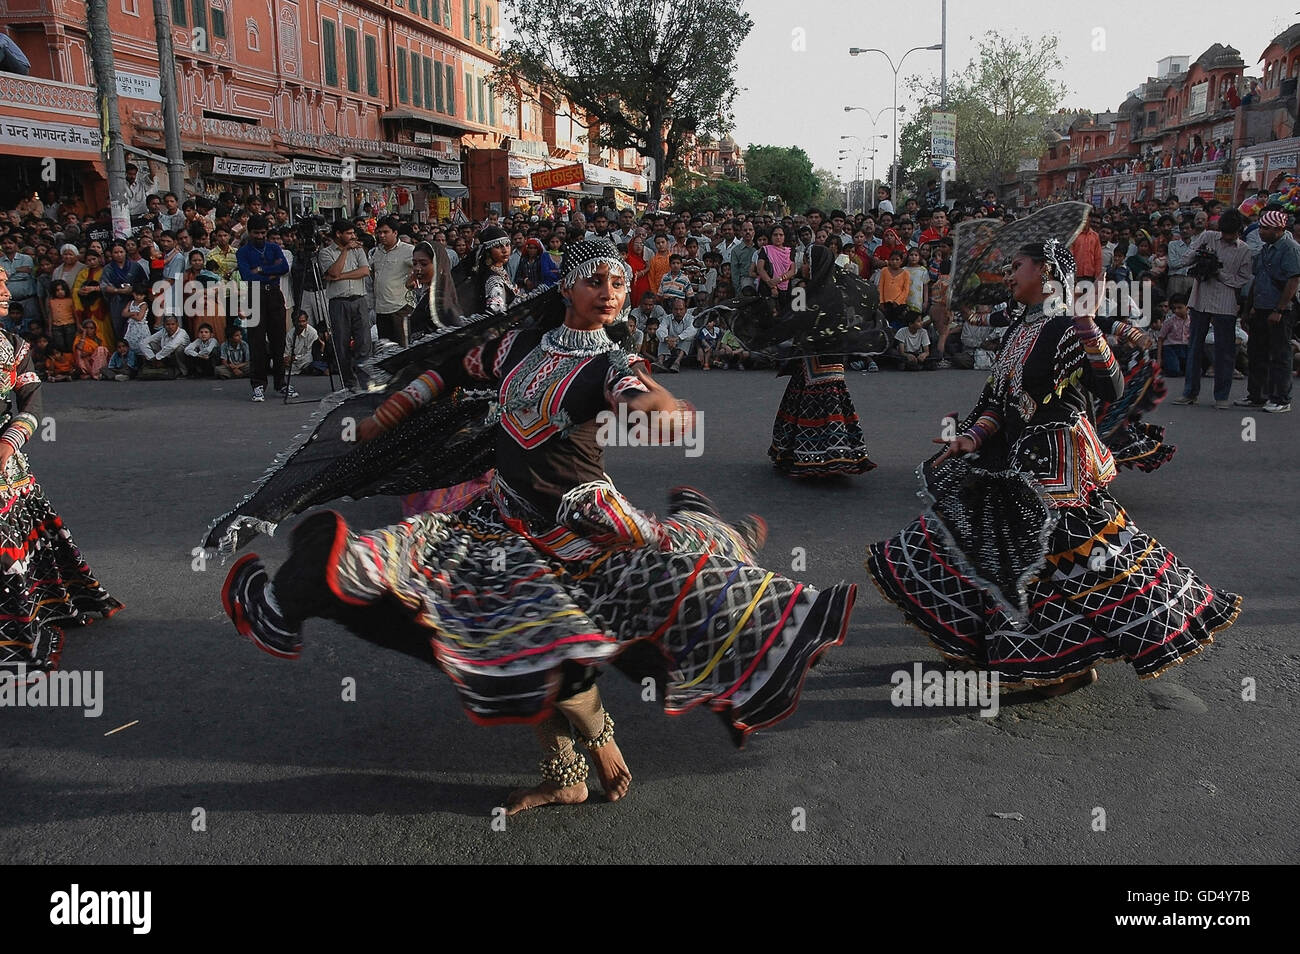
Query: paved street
{"type": "Point", "coordinates": [287, 771]}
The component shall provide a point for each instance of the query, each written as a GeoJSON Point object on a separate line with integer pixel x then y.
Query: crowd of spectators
{"type": "Point", "coordinates": [92, 308]}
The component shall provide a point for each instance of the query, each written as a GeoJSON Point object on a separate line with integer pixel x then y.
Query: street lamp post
{"type": "Point", "coordinates": [874, 136]}
{"type": "Point", "coordinates": [854, 51]}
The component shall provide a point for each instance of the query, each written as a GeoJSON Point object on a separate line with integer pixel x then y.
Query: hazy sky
{"type": "Point", "coordinates": [798, 98]}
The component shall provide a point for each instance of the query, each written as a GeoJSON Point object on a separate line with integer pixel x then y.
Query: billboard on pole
{"type": "Point", "coordinates": [943, 135]}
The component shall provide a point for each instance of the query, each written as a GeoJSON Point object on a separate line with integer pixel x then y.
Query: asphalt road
{"type": "Point", "coordinates": [285, 770]}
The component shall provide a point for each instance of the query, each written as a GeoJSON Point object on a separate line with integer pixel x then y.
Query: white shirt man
{"type": "Point", "coordinates": [165, 341]}
{"type": "Point", "coordinates": [390, 267]}
{"type": "Point", "coordinates": [297, 346]}
{"type": "Point", "coordinates": [138, 190]}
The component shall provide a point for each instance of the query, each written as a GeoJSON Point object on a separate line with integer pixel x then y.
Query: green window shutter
{"type": "Point", "coordinates": [218, 22]}
{"type": "Point", "coordinates": [478, 22]}
{"type": "Point", "coordinates": [428, 83]}
{"type": "Point", "coordinates": [403, 95]}
{"type": "Point", "coordinates": [416, 98]}
{"type": "Point", "coordinates": [350, 57]}
{"type": "Point", "coordinates": [464, 9]}
{"type": "Point", "coordinates": [469, 97]}
{"type": "Point", "coordinates": [330, 50]}
{"type": "Point", "coordinates": [437, 87]}
{"type": "Point", "coordinates": [451, 89]}
{"type": "Point", "coordinates": [487, 26]}
{"type": "Point", "coordinates": [492, 106]}
{"type": "Point", "coordinates": [372, 66]}
{"type": "Point", "coordinates": [200, 9]}
{"type": "Point", "coordinates": [178, 13]}
{"type": "Point", "coordinates": [482, 115]}
{"type": "Point", "coordinates": [446, 13]}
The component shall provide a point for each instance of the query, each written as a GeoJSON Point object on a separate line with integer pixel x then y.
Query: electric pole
{"type": "Point", "coordinates": [101, 55]}
{"type": "Point", "coordinates": [167, 91]}
{"type": "Point", "coordinates": [943, 88]}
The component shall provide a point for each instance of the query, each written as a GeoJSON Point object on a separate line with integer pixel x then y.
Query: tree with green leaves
{"type": "Point", "coordinates": [1001, 99]}
{"type": "Point", "coordinates": [651, 72]}
{"type": "Point", "coordinates": [785, 171]}
{"type": "Point", "coordinates": [715, 195]}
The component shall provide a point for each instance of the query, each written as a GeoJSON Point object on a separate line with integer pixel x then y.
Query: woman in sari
{"type": "Point", "coordinates": [89, 296]}
{"type": "Point", "coordinates": [116, 281]}
{"type": "Point", "coordinates": [636, 261]}
{"type": "Point", "coordinates": [774, 268]}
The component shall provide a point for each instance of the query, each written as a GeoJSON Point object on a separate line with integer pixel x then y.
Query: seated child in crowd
{"type": "Point", "coordinates": [234, 359]}
{"type": "Point", "coordinates": [123, 364]}
{"type": "Point", "coordinates": [203, 353]}
{"type": "Point", "coordinates": [913, 341]}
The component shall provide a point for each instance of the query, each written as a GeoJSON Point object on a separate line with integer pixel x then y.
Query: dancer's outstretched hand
{"type": "Point", "coordinates": [368, 429]}
{"type": "Point", "coordinates": [956, 448]}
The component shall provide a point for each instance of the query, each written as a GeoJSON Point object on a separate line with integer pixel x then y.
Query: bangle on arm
{"type": "Point", "coordinates": [401, 405]}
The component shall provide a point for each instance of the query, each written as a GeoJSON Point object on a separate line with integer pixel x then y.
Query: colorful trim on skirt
{"type": "Point", "coordinates": [1119, 423]}
{"type": "Point", "coordinates": [817, 432]}
{"type": "Point", "coordinates": [1107, 591]}
{"type": "Point", "coordinates": [47, 586]}
{"type": "Point", "coordinates": [505, 599]}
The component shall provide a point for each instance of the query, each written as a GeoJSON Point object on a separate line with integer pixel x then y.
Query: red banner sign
{"type": "Point", "coordinates": [554, 178]}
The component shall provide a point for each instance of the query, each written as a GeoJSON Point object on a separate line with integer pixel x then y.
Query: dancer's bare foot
{"type": "Point", "coordinates": [615, 776]}
{"type": "Point", "coordinates": [547, 793]}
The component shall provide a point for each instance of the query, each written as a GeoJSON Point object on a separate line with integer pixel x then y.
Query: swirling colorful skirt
{"type": "Point", "coordinates": [1119, 423]}
{"type": "Point", "coordinates": [1000, 579]}
{"type": "Point", "coordinates": [47, 586]}
{"type": "Point", "coordinates": [817, 432]}
{"type": "Point", "coordinates": [506, 600]}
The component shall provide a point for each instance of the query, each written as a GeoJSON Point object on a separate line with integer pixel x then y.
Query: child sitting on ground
{"type": "Point", "coordinates": [60, 365]}
{"type": "Point", "coordinates": [913, 340]}
{"type": "Point", "coordinates": [234, 359]}
{"type": "Point", "coordinates": [122, 365]}
{"type": "Point", "coordinates": [203, 352]}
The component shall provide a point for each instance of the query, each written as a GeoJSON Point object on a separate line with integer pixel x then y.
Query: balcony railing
{"type": "Point", "coordinates": [33, 92]}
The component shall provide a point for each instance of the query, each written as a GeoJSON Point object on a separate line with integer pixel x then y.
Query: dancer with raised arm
{"type": "Point", "coordinates": [553, 573]}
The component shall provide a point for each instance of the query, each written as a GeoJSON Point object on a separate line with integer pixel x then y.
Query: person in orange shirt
{"type": "Point", "coordinates": [659, 263]}
{"type": "Point", "coordinates": [1086, 250]}
{"type": "Point", "coordinates": [895, 286]}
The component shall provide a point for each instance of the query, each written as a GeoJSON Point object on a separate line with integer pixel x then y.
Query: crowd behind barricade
{"type": "Point", "coordinates": [173, 299]}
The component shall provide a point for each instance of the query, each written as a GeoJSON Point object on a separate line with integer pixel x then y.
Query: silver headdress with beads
{"type": "Point", "coordinates": [581, 260]}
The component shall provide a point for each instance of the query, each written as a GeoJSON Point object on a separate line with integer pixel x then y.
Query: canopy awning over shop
{"type": "Point", "coordinates": [452, 190]}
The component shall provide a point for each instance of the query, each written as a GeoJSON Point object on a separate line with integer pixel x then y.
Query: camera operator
{"type": "Point", "coordinates": [261, 263]}
{"type": "Point", "coordinates": [345, 269]}
{"type": "Point", "coordinates": [1214, 302]}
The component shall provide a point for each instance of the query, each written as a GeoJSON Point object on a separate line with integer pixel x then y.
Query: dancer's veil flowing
{"type": "Point", "coordinates": [441, 444]}
{"type": "Point", "coordinates": [981, 248]}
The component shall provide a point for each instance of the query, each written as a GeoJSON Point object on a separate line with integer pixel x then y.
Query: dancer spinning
{"type": "Point", "coordinates": [816, 432]}
{"type": "Point", "coordinates": [553, 573]}
{"type": "Point", "coordinates": [47, 586]}
{"type": "Point", "coordinates": [1024, 564]}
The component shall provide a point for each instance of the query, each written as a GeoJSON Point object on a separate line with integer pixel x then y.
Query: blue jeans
{"type": "Point", "coordinates": [1225, 353]}
{"type": "Point", "coordinates": [1174, 360]}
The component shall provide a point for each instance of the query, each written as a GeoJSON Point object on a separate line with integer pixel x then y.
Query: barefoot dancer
{"type": "Point", "coordinates": [553, 573]}
{"type": "Point", "coordinates": [1025, 565]}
